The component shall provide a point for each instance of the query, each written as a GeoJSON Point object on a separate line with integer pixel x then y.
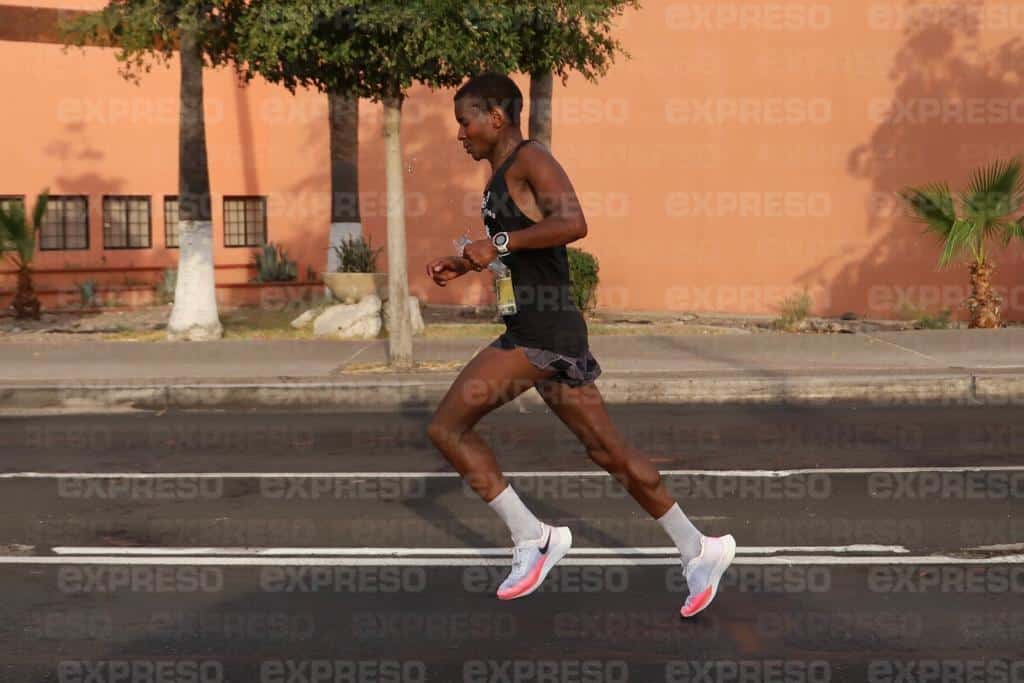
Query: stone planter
{"type": "Point", "coordinates": [352, 287]}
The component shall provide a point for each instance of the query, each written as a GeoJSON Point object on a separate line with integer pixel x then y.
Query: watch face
{"type": "Point", "coordinates": [500, 240]}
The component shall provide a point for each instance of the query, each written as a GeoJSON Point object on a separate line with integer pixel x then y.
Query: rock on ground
{"type": "Point", "coordinates": [350, 321]}
{"type": "Point", "coordinates": [304, 319]}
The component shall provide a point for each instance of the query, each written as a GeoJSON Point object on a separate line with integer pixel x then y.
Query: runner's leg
{"type": "Point", "coordinates": [583, 411]}
{"type": "Point", "coordinates": [492, 378]}
{"type": "Point", "coordinates": [704, 559]}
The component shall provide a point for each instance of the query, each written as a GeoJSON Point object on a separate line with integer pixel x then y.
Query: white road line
{"type": "Point", "coordinates": [455, 475]}
{"type": "Point", "coordinates": [998, 547]}
{"type": "Point", "coordinates": [448, 552]}
{"type": "Point", "coordinates": [832, 560]}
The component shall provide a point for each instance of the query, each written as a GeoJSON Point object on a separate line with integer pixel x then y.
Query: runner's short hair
{"type": "Point", "coordinates": [494, 90]}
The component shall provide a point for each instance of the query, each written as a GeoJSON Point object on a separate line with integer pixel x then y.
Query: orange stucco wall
{"type": "Point", "coordinates": [746, 151]}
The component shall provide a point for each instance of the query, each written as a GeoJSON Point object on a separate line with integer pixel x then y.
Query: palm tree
{"type": "Point", "coordinates": [18, 236]}
{"type": "Point", "coordinates": [143, 31]}
{"type": "Point", "coordinates": [995, 193]}
{"type": "Point", "coordinates": [194, 315]}
{"type": "Point", "coordinates": [343, 120]}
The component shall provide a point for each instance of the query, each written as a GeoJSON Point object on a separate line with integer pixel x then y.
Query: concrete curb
{"type": "Point", "coordinates": [423, 394]}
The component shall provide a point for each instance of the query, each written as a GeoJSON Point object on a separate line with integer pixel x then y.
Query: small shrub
{"type": "Point", "coordinates": [272, 265]}
{"type": "Point", "coordinates": [166, 287]}
{"type": "Point", "coordinates": [940, 321]}
{"type": "Point", "coordinates": [357, 255]}
{"type": "Point", "coordinates": [793, 310]}
{"type": "Point", "coordinates": [923, 320]}
{"type": "Point", "coordinates": [86, 293]}
{"type": "Point", "coordinates": [583, 273]}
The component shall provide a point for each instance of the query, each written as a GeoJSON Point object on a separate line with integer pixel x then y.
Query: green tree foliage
{"type": "Point", "coordinates": [970, 225]}
{"type": "Point", "coordinates": [18, 239]}
{"type": "Point", "coordinates": [566, 36]}
{"type": "Point", "coordinates": [374, 50]}
{"type": "Point", "coordinates": [148, 32]}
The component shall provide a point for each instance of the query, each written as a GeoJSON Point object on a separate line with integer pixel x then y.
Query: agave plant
{"type": "Point", "coordinates": [272, 265]}
{"type": "Point", "coordinates": [357, 255]}
{"type": "Point", "coordinates": [971, 226]}
{"type": "Point", "coordinates": [18, 241]}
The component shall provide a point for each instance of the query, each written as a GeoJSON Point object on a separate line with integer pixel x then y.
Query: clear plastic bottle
{"type": "Point", "coordinates": [503, 289]}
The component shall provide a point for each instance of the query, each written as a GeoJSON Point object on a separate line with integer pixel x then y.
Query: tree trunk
{"type": "Point", "coordinates": [343, 126]}
{"type": "Point", "coordinates": [541, 90]}
{"type": "Point", "coordinates": [400, 331]}
{"type": "Point", "coordinates": [983, 303]}
{"type": "Point", "coordinates": [26, 303]}
{"type": "Point", "coordinates": [194, 315]}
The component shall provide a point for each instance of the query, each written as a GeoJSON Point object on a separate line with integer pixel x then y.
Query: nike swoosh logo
{"type": "Point", "coordinates": [547, 541]}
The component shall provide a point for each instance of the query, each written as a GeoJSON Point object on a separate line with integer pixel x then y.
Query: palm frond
{"type": "Point", "coordinates": [40, 208]}
{"type": "Point", "coordinates": [995, 192]}
{"type": "Point", "coordinates": [5, 240]}
{"type": "Point", "coordinates": [933, 206]}
{"type": "Point", "coordinates": [13, 225]}
{"type": "Point", "coordinates": [1011, 230]}
{"type": "Point", "coordinates": [960, 238]}
{"type": "Point", "coordinates": [17, 234]}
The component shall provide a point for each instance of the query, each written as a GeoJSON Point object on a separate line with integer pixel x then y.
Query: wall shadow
{"type": "Point", "coordinates": [444, 187]}
{"type": "Point", "coordinates": [955, 104]}
{"type": "Point", "coordinates": [442, 194]}
{"type": "Point", "coordinates": [55, 274]}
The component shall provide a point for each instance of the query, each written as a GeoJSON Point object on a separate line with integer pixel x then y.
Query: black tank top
{"type": "Point", "coordinates": [546, 316]}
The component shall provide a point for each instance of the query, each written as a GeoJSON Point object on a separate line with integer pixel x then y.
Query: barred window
{"type": "Point", "coordinates": [171, 222]}
{"type": "Point", "coordinates": [245, 221]}
{"type": "Point", "coordinates": [7, 201]}
{"type": "Point", "coordinates": [65, 223]}
{"type": "Point", "coordinates": [126, 223]}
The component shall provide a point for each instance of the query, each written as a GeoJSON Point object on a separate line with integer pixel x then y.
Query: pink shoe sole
{"type": "Point", "coordinates": [539, 572]}
{"type": "Point", "coordinates": [701, 602]}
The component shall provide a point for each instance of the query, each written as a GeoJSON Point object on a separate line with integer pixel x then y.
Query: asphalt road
{"type": "Point", "coordinates": [876, 545]}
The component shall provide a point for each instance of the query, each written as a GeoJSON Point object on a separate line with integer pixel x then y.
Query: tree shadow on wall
{"type": "Point", "coordinates": [442, 191]}
{"type": "Point", "coordinates": [956, 105]}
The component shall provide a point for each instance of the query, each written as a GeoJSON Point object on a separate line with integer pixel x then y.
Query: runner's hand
{"type": "Point", "coordinates": [446, 268]}
{"type": "Point", "coordinates": [480, 253]}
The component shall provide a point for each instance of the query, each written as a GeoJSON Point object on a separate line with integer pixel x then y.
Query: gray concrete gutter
{"type": "Point", "coordinates": [422, 394]}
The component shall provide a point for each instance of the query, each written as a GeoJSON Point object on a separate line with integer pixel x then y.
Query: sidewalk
{"type": "Point", "coordinates": [940, 366]}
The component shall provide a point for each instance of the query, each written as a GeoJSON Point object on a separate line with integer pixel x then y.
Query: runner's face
{"type": "Point", "coordinates": [477, 131]}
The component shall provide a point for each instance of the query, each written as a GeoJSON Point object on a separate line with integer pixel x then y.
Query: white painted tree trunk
{"type": "Point", "coordinates": [194, 315]}
{"type": "Point", "coordinates": [400, 333]}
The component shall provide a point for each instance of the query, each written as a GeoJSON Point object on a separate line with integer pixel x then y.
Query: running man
{"type": "Point", "coordinates": [531, 212]}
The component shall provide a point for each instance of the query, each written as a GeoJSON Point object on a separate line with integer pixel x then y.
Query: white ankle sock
{"type": "Point", "coordinates": [684, 534]}
{"type": "Point", "coordinates": [521, 522]}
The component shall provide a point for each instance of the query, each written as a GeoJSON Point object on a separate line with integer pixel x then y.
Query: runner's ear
{"type": "Point", "coordinates": [498, 117]}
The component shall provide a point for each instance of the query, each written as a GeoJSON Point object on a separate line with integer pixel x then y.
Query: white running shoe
{"type": "Point", "coordinates": [532, 560]}
{"type": "Point", "coordinates": [705, 571]}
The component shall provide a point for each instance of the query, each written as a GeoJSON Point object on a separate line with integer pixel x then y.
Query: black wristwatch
{"type": "Point", "coordinates": [500, 242]}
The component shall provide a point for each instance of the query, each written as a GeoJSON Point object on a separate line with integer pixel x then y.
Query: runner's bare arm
{"type": "Point", "coordinates": [563, 220]}
{"type": "Point", "coordinates": [448, 268]}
